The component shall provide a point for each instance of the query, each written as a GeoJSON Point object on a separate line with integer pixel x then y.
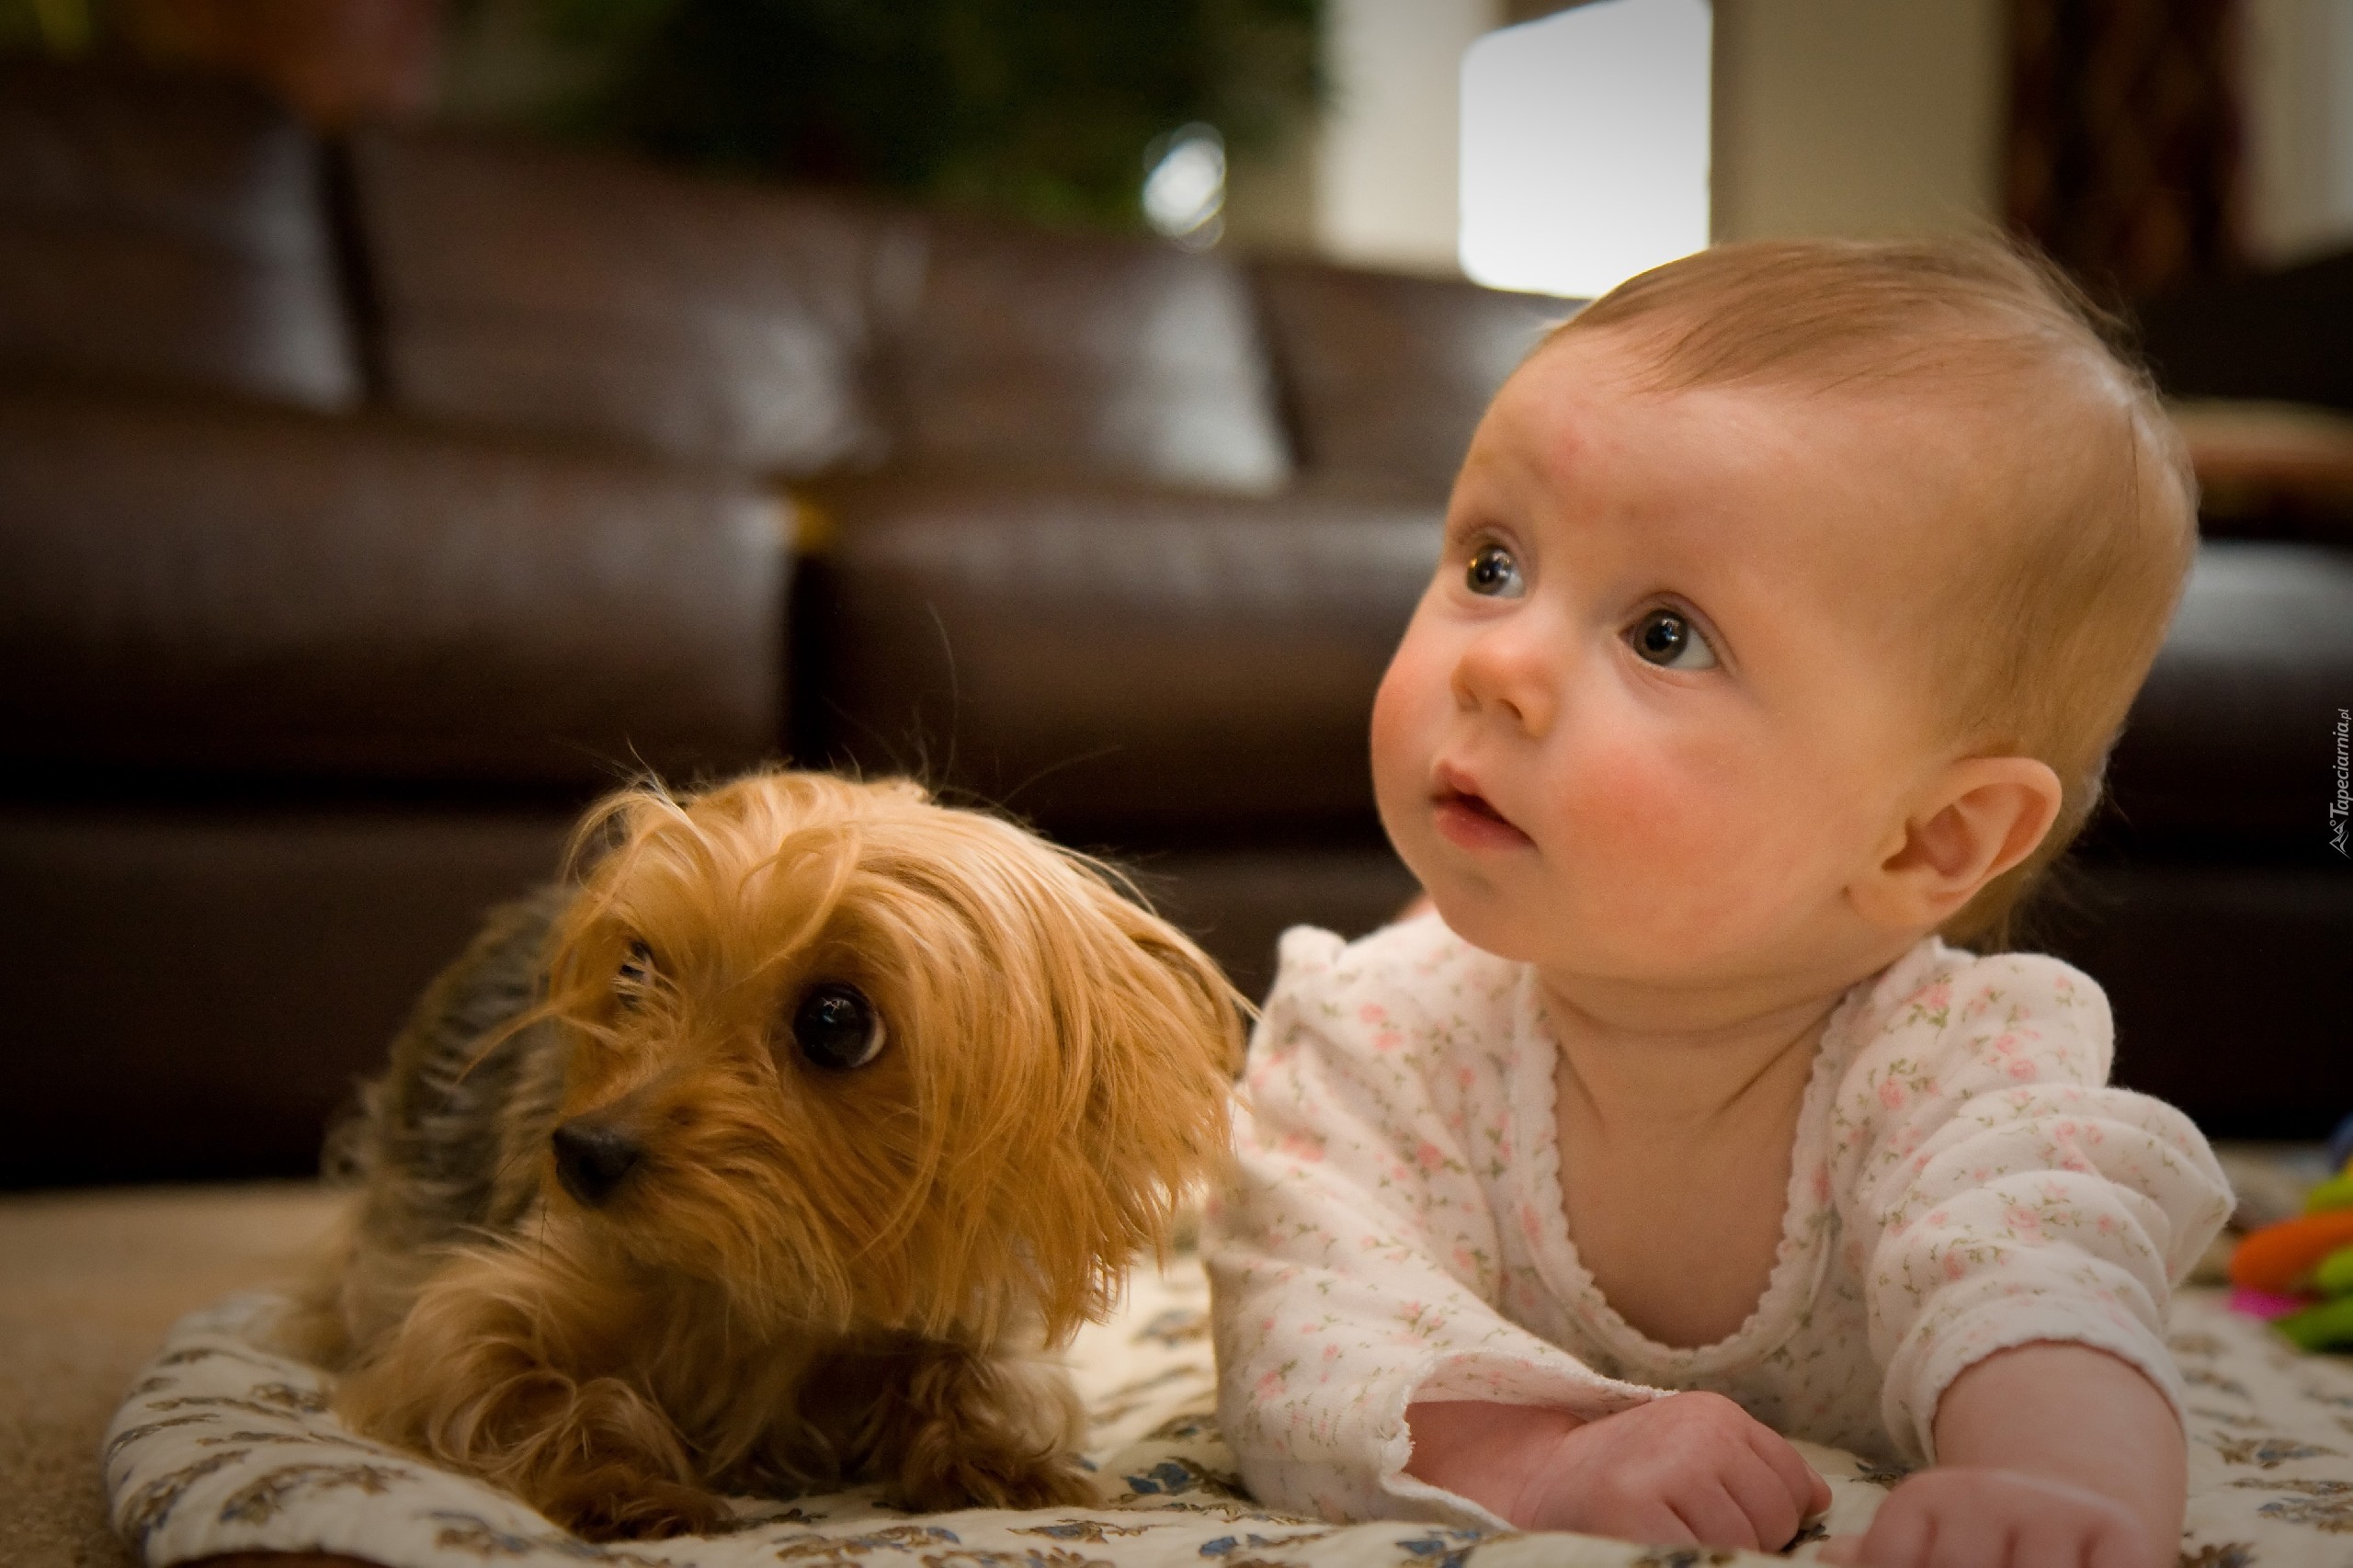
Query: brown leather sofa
{"type": "Point", "coordinates": [365, 507]}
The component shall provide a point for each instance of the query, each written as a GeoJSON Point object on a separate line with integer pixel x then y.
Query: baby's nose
{"type": "Point", "coordinates": [1509, 672]}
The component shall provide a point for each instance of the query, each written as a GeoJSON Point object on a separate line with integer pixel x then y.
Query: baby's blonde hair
{"type": "Point", "coordinates": [2093, 518]}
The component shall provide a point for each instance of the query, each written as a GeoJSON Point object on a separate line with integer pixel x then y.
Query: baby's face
{"type": "Point", "coordinates": [1666, 695]}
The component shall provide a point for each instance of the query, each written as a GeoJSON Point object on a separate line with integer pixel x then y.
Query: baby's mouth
{"type": "Point", "coordinates": [1475, 804]}
{"type": "Point", "coordinates": [1467, 818]}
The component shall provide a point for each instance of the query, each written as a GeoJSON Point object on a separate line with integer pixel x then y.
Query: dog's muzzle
{"type": "Point", "coordinates": [593, 1157]}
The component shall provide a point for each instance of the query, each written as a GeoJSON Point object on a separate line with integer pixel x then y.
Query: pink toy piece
{"type": "Point", "coordinates": [2266, 1304]}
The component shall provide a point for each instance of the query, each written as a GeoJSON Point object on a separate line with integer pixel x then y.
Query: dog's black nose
{"type": "Point", "coordinates": [591, 1158]}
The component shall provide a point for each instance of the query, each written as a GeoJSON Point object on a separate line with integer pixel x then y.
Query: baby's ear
{"type": "Point", "coordinates": [1981, 816]}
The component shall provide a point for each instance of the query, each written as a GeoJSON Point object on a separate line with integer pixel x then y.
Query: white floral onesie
{"type": "Point", "coordinates": [1962, 1181]}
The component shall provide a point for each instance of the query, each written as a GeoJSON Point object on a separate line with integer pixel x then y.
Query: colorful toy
{"type": "Point", "coordinates": [2299, 1273]}
{"type": "Point", "coordinates": [2266, 1304]}
{"type": "Point", "coordinates": [2280, 1259]}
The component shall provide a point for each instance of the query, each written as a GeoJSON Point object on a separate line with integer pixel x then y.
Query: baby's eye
{"type": "Point", "coordinates": [1667, 638]}
{"type": "Point", "coordinates": [1493, 573]}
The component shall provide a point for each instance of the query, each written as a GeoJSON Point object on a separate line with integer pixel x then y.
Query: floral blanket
{"type": "Point", "coordinates": [222, 1446]}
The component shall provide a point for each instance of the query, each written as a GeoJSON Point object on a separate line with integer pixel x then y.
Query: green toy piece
{"type": "Point", "coordinates": [2327, 1323]}
{"type": "Point", "coordinates": [2327, 1326]}
{"type": "Point", "coordinates": [2336, 1192]}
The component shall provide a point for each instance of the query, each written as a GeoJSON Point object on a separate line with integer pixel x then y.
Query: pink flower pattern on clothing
{"type": "Point", "coordinates": [1396, 1229]}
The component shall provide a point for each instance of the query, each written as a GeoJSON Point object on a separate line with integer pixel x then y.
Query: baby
{"type": "Point", "coordinates": [1790, 599]}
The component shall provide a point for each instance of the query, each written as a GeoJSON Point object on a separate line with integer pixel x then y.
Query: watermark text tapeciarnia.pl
{"type": "Point", "coordinates": [2340, 809]}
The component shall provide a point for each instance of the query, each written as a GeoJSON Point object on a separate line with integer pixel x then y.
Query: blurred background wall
{"type": "Point", "coordinates": [2299, 57]}
{"type": "Point", "coordinates": [2151, 143]}
{"type": "Point", "coordinates": [1830, 116]}
{"type": "Point", "coordinates": [1844, 117]}
{"type": "Point", "coordinates": [1858, 117]}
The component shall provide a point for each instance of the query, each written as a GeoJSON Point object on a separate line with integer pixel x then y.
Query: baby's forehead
{"type": "Point", "coordinates": [1860, 502]}
{"type": "Point", "coordinates": [1925, 378]}
{"type": "Point", "coordinates": [1586, 414]}
{"type": "Point", "coordinates": [1999, 402]}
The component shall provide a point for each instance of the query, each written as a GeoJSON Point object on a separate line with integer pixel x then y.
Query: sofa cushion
{"type": "Point", "coordinates": [2285, 333]}
{"type": "Point", "coordinates": [1386, 375]}
{"type": "Point", "coordinates": [2227, 979]}
{"type": "Point", "coordinates": [215, 591]}
{"type": "Point", "coordinates": [166, 230]}
{"type": "Point", "coordinates": [1123, 358]}
{"type": "Point", "coordinates": [1238, 903]}
{"type": "Point", "coordinates": [2232, 742]}
{"type": "Point", "coordinates": [1123, 665]}
{"type": "Point", "coordinates": [548, 289]}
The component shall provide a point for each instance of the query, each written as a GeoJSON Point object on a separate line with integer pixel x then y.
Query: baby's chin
{"type": "Point", "coordinates": [1563, 936]}
{"type": "Point", "coordinates": [1481, 915]}
{"type": "Point", "coordinates": [1504, 906]}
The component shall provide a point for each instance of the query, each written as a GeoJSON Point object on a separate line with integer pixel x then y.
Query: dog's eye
{"type": "Point", "coordinates": [836, 1027]}
{"type": "Point", "coordinates": [635, 974]}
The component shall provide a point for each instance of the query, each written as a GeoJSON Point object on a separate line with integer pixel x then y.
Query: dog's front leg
{"type": "Point", "coordinates": [962, 1429]}
{"type": "Point", "coordinates": [504, 1372]}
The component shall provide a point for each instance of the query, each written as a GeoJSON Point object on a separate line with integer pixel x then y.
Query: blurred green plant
{"type": "Point", "coordinates": [66, 28]}
{"type": "Point", "coordinates": [1045, 107]}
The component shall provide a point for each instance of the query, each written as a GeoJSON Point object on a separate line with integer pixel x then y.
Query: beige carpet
{"type": "Point", "coordinates": [88, 1283]}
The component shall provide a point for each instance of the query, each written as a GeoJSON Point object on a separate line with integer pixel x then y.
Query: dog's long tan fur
{"type": "Point", "coordinates": [807, 1274]}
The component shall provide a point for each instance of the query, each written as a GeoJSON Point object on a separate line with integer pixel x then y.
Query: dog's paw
{"type": "Point", "coordinates": [1058, 1483]}
{"type": "Point", "coordinates": [639, 1509]}
{"type": "Point", "coordinates": [971, 1480]}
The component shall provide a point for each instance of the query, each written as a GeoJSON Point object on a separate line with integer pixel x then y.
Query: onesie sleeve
{"type": "Point", "coordinates": [1354, 1257]}
{"type": "Point", "coordinates": [1996, 1192]}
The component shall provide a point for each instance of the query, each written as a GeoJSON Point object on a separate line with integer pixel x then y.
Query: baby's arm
{"type": "Point", "coordinates": [1689, 1469]}
{"type": "Point", "coordinates": [2028, 1223]}
{"type": "Point", "coordinates": [1356, 1264]}
{"type": "Point", "coordinates": [2075, 1415]}
{"type": "Point", "coordinates": [2047, 1453]}
{"type": "Point", "coordinates": [1355, 1260]}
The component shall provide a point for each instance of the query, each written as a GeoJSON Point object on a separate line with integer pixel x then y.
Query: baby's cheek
{"type": "Point", "coordinates": [1693, 853]}
{"type": "Point", "coordinates": [1393, 727]}
{"type": "Point", "coordinates": [1402, 739]}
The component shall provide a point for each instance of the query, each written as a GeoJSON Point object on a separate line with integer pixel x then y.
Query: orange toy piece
{"type": "Point", "coordinates": [2279, 1259]}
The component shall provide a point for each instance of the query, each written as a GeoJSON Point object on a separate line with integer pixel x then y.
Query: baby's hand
{"type": "Point", "coordinates": [1691, 1468]}
{"type": "Point", "coordinates": [1966, 1517]}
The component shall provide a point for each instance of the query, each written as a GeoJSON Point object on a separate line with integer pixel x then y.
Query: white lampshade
{"type": "Point", "coordinates": [1584, 145]}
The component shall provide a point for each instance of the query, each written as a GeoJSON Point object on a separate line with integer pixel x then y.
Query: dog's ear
{"type": "Point", "coordinates": [1157, 1043]}
{"type": "Point", "coordinates": [1071, 1056]}
{"type": "Point", "coordinates": [616, 823]}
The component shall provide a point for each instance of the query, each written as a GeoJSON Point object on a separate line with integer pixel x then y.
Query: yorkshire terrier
{"type": "Point", "coordinates": [774, 1151]}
